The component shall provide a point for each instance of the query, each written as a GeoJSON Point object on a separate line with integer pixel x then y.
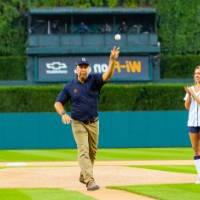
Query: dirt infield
{"type": "Point", "coordinates": [107, 173]}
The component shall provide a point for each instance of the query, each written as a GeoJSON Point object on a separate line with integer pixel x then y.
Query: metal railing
{"type": "Point", "coordinates": [86, 40]}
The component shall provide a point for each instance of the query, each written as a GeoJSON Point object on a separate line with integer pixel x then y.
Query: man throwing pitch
{"type": "Point", "coordinates": [83, 93]}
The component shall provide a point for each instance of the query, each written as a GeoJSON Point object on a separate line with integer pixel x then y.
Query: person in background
{"type": "Point", "coordinates": [106, 28]}
{"type": "Point", "coordinates": [192, 104]}
{"type": "Point", "coordinates": [123, 27]}
{"type": "Point", "coordinates": [83, 28]}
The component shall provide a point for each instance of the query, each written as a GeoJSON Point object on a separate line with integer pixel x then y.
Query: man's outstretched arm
{"type": "Point", "coordinates": [111, 65]}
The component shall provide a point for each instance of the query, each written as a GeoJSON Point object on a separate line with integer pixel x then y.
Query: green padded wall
{"type": "Point", "coordinates": [117, 130]}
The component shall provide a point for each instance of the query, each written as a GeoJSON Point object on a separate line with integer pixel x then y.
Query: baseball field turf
{"type": "Point", "coordinates": [162, 192]}
{"type": "Point", "coordinates": [170, 168]}
{"type": "Point", "coordinates": [41, 194]}
{"type": "Point", "coordinates": [165, 191]}
{"type": "Point", "coordinates": [103, 154]}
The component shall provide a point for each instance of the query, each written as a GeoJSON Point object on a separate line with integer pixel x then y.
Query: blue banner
{"type": "Point", "coordinates": [127, 68]}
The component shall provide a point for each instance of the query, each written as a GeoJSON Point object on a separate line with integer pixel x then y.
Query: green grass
{"type": "Point", "coordinates": [37, 155]}
{"type": "Point", "coordinates": [170, 168]}
{"type": "Point", "coordinates": [165, 191]}
{"type": "Point", "coordinates": [103, 154]}
{"type": "Point", "coordinates": [146, 154]}
{"type": "Point", "coordinates": [41, 194]}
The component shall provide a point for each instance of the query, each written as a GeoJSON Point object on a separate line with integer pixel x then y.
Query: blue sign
{"type": "Point", "coordinates": [127, 68]}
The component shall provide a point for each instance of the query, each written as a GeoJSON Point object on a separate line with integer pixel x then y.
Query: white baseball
{"type": "Point", "coordinates": [117, 37]}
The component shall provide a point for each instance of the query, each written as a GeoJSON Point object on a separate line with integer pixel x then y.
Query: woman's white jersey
{"type": "Point", "coordinates": [194, 110]}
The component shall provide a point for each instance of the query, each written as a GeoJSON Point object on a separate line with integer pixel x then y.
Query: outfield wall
{"type": "Point", "coordinates": [117, 130]}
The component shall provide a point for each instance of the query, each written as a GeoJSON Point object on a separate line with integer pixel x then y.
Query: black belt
{"type": "Point", "coordinates": [90, 121]}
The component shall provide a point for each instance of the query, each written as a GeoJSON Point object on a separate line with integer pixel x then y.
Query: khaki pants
{"type": "Point", "coordinates": [86, 137]}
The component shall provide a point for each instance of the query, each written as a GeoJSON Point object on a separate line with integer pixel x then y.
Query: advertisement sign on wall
{"type": "Point", "coordinates": [127, 68]}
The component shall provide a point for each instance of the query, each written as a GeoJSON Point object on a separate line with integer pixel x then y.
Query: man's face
{"type": "Point", "coordinates": [82, 72]}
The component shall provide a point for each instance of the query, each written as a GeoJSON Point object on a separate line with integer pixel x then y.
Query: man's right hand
{"type": "Point", "coordinates": [114, 53]}
{"type": "Point", "coordinates": [66, 119]}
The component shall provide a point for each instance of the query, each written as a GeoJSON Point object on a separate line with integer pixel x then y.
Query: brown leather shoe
{"type": "Point", "coordinates": [91, 186]}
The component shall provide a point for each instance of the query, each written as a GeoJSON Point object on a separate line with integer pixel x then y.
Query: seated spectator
{"type": "Point", "coordinates": [54, 27]}
{"type": "Point", "coordinates": [106, 28]}
{"type": "Point", "coordinates": [123, 27]}
{"type": "Point", "coordinates": [83, 28]}
{"type": "Point", "coordinates": [136, 28]}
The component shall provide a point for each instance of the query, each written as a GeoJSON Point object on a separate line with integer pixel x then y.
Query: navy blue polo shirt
{"type": "Point", "coordinates": [84, 97]}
